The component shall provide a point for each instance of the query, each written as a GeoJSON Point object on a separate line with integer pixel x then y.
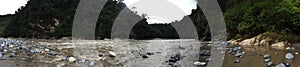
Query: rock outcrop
{"type": "Point", "coordinates": [263, 40]}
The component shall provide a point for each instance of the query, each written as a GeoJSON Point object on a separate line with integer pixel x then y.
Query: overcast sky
{"type": "Point", "coordinates": [162, 11]}
{"type": "Point", "coordinates": [10, 6]}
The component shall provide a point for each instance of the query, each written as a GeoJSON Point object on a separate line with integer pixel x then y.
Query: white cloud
{"type": "Point", "coordinates": [10, 6]}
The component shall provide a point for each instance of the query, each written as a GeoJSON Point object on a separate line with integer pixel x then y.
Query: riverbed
{"type": "Point", "coordinates": [139, 53]}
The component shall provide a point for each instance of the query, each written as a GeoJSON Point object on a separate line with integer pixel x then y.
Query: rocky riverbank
{"type": "Point", "coordinates": [268, 39]}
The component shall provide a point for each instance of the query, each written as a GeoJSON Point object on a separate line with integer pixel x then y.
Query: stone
{"type": "Point", "coordinates": [204, 53]}
{"type": "Point", "coordinates": [236, 61]}
{"type": "Point", "coordinates": [12, 55]}
{"type": "Point", "coordinates": [92, 64]}
{"type": "Point", "coordinates": [58, 65]}
{"type": "Point", "coordinates": [296, 53]}
{"type": "Point", "coordinates": [47, 50]}
{"type": "Point", "coordinates": [290, 48]}
{"type": "Point", "coordinates": [279, 45]}
{"type": "Point", "coordinates": [144, 56]}
{"type": "Point", "coordinates": [172, 60]}
{"type": "Point", "coordinates": [240, 55]}
{"type": "Point", "coordinates": [112, 54]}
{"type": "Point", "coordinates": [269, 64]}
{"type": "Point", "coordinates": [71, 59]}
{"type": "Point", "coordinates": [280, 65]}
{"type": "Point", "coordinates": [267, 56]}
{"type": "Point", "coordinates": [200, 63]}
{"type": "Point", "coordinates": [1, 55]}
{"type": "Point", "coordinates": [52, 53]}
{"type": "Point", "coordinates": [267, 60]}
{"type": "Point", "coordinates": [289, 56]}
{"type": "Point", "coordinates": [81, 60]}
{"type": "Point", "coordinates": [150, 53]}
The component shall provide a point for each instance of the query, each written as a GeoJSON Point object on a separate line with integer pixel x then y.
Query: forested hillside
{"type": "Point", "coordinates": [244, 19]}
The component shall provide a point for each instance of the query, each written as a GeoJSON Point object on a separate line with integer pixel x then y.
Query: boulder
{"type": "Point", "coordinates": [289, 56]}
{"type": "Point", "coordinates": [279, 45]}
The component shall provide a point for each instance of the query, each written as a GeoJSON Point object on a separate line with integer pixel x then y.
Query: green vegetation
{"type": "Point", "coordinates": [244, 19]}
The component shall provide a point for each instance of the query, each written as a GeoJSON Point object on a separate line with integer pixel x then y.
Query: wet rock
{"type": "Point", "coordinates": [204, 53]}
{"type": "Point", "coordinates": [12, 55]}
{"type": "Point", "coordinates": [58, 65]}
{"type": "Point", "coordinates": [177, 56]}
{"type": "Point", "coordinates": [236, 61]}
{"type": "Point", "coordinates": [267, 60]}
{"type": "Point", "coordinates": [52, 53]}
{"type": "Point", "coordinates": [1, 55]}
{"type": "Point", "coordinates": [239, 55]}
{"type": "Point", "coordinates": [71, 59]}
{"type": "Point", "coordinates": [208, 59]}
{"type": "Point", "coordinates": [32, 51]}
{"type": "Point", "coordinates": [100, 55]}
{"type": "Point", "coordinates": [289, 56]}
{"type": "Point", "coordinates": [150, 53]}
{"type": "Point", "coordinates": [47, 50]}
{"type": "Point", "coordinates": [112, 54]}
{"type": "Point", "coordinates": [81, 61]}
{"type": "Point", "coordinates": [24, 59]}
{"type": "Point", "coordinates": [64, 58]}
{"type": "Point", "coordinates": [296, 53]}
{"type": "Point", "coordinates": [200, 63]}
{"type": "Point", "coordinates": [287, 64]}
{"type": "Point", "coordinates": [172, 60]}
{"type": "Point", "coordinates": [290, 48]}
{"type": "Point", "coordinates": [269, 64]}
{"type": "Point", "coordinates": [92, 64]}
{"type": "Point", "coordinates": [267, 56]}
{"type": "Point", "coordinates": [144, 56]}
{"type": "Point", "coordinates": [280, 65]}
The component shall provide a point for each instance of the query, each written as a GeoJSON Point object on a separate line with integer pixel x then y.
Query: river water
{"type": "Point", "coordinates": [128, 54]}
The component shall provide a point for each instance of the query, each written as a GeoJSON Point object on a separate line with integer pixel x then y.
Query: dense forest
{"type": "Point", "coordinates": [244, 19]}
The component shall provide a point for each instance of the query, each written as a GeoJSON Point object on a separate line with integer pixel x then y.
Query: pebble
{"type": "Point", "coordinates": [112, 54]}
{"type": "Point", "coordinates": [12, 55]}
{"type": "Point", "coordinates": [289, 56]}
{"type": "Point", "coordinates": [92, 64]}
{"type": "Point", "coordinates": [47, 50]}
{"type": "Point", "coordinates": [239, 55]}
{"type": "Point", "coordinates": [267, 60]}
{"type": "Point", "coordinates": [200, 63]}
{"type": "Point", "coordinates": [144, 56]}
{"type": "Point", "coordinates": [236, 61]}
{"type": "Point", "coordinates": [52, 53]}
{"type": "Point", "coordinates": [81, 61]}
{"type": "Point", "coordinates": [269, 64]}
{"type": "Point", "coordinates": [204, 53]}
{"type": "Point", "coordinates": [150, 53]}
{"type": "Point", "coordinates": [58, 65]}
{"type": "Point", "coordinates": [296, 53]}
{"type": "Point", "coordinates": [0, 54]}
{"type": "Point", "coordinates": [280, 65]}
{"type": "Point", "coordinates": [71, 59]}
{"type": "Point", "coordinates": [267, 56]}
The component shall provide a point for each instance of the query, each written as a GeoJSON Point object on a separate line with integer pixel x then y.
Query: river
{"type": "Point", "coordinates": [130, 53]}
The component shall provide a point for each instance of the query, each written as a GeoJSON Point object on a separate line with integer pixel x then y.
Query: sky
{"type": "Point", "coordinates": [10, 6]}
{"type": "Point", "coordinates": [158, 11]}
{"type": "Point", "coordinates": [162, 11]}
